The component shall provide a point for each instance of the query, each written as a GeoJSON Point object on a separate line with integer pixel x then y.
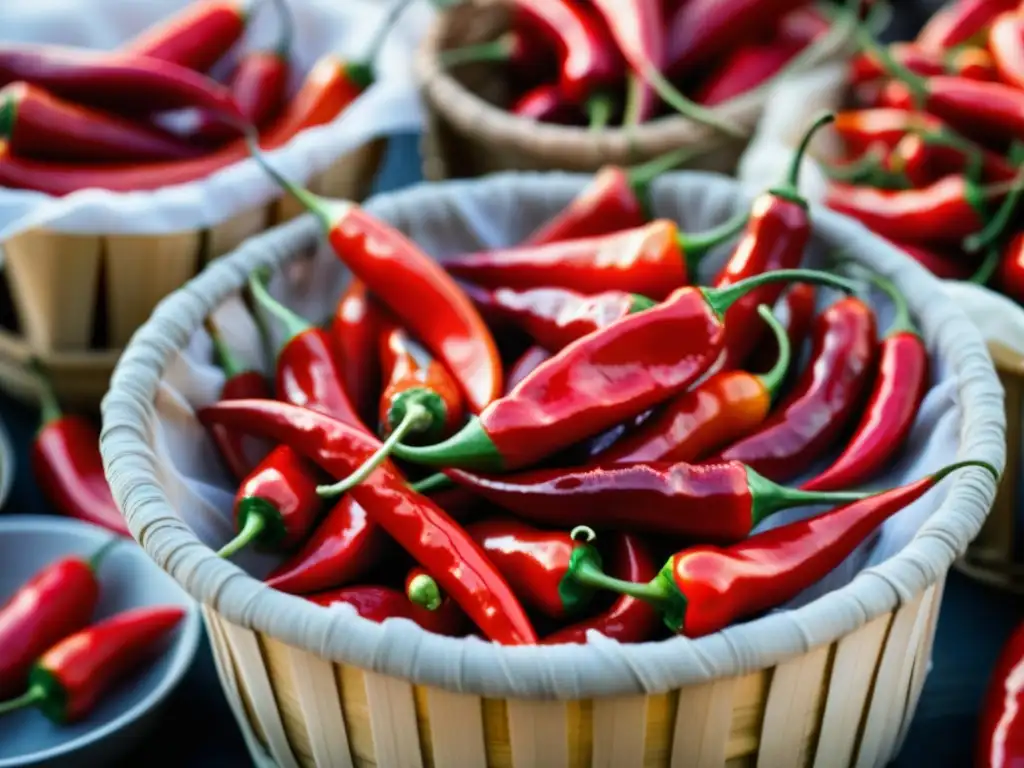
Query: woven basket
{"type": "Point", "coordinates": [469, 132]}
{"type": "Point", "coordinates": [832, 683]}
{"type": "Point", "coordinates": [62, 283]}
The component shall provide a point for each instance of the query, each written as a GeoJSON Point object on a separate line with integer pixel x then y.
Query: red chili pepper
{"type": "Point", "coordinates": [1006, 42]}
{"type": "Point", "coordinates": [59, 599]}
{"type": "Point", "coordinates": [355, 331]}
{"type": "Point", "coordinates": [725, 407]}
{"type": "Point", "coordinates": [240, 384]}
{"type": "Point", "coordinates": [556, 317]}
{"type": "Point", "coordinates": [861, 129]}
{"type": "Point", "coordinates": [1011, 269]}
{"type": "Point", "coordinates": [638, 30]}
{"type": "Point", "coordinates": [38, 125]}
{"type": "Point", "coordinates": [395, 269]}
{"type": "Point", "coordinates": [72, 676]}
{"type": "Point", "coordinates": [925, 158]}
{"type": "Point", "coordinates": [823, 401]}
{"type": "Point", "coordinates": [67, 465]}
{"type": "Point", "coordinates": [744, 69]}
{"type": "Point", "coordinates": [422, 528]}
{"type": "Point", "coordinates": [196, 37]}
{"type": "Point", "coordinates": [973, 63]}
{"type": "Point", "coordinates": [524, 366]}
{"type": "Point", "coordinates": [628, 620]}
{"type": "Point", "coordinates": [802, 25]}
{"type": "Point", "coordinates": [1000, 739]}
{"type": "Point", "coordinates": [892, 405]}
{"type": "Point", "coordinates": [652, 260]}
{"type": "Point", "coordinates": [961, 22]}
{"type": "Point", "coordinates": [799, 301]}
{"type": "Point", "coordinates": [704, 589]}
{"type": "Point", "coordinates": [946, 264]}
{"type": "Point", "coordinates": [544, 103]}
{"type": "Point", "coordinates": [660, 497]}
{"type": "Point", "coordinates": [380, 603]}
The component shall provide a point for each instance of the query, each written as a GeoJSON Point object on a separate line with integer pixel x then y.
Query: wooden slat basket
{"type": "Point", "coordinates": [834, 682]}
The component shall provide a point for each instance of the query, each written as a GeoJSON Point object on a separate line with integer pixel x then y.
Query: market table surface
{"type": "Point", "coordinates": [198, 730]}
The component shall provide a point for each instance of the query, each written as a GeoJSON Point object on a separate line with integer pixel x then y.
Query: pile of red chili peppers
{"type": "Point", "coordinates": [74, 119]}
{"type": "Point", "coordinates": [933, 146]}
{"type": "Point", "coordinates": [578, 379]}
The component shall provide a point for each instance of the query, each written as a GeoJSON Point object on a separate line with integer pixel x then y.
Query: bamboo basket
{"type": "Point", "coordinates": [469, 133]}
{"type": "Point", "coordinates": [832, 683]}
{"type": "Point", "coordinates": [61, 284]}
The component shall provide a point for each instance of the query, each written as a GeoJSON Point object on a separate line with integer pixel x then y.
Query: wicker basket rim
{"type": "Point", "coordinates": [602, 668]}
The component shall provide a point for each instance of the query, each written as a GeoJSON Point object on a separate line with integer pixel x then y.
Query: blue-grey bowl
{"type": "Point", "coordinates": [129, 579]}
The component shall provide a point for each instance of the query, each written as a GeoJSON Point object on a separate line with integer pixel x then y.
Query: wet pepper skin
{"type": "Point", "coordinates": [379, 603]}
{"type": "Point", "coordinates": [1001, 728]}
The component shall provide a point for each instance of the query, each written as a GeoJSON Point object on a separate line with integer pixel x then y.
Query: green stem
{"type": "Point", "coordinates": [653, 592]}
{"type": "Point", "coordinates": [695, 246]}
{"type": "Point", "coordinates": [417, 419]}
{"type": "Point", "coordinates": [10, 96]}
{"type": "Point", "coordinates": [721, 299]}
{"type": "Point", "coordinates": [942, 473]}
{"type": "Point", "coordinates": [917, 84]}
{"type": "Point", "coordinates": [998, 223]}
{"type": "Point", "coordinates": [688, 109]}
{"type": "Point", "coordinates": [901, 323]}
{"type": "Point", "coordinates": [634, 100]}
{"type": "Point", "coordinates": [493, 50]}
{"type": "Point", "coordinates": [469, 448]}
{"type": "Point", "coordinates": [226, 358]}
{"type": "Point", "coordinates": [286, 38]}
{"type": "Point", "coordinates": [292, 323]}
{"type": "Point", "coordinates": [641, 176]}
{"type": "Point", "coordinates": [639, 303]}
{"type": "Point", "coordinates": [97, 558]}
{"type": "Point", "coordinates": [48, 404]}
{"type": "Point", "coordinates": [856, 171]}
{"type": "Point", "coordinates": [424, 592]}
{"type": "Point", "coordinates": [254, 526]}
{"type": "Point", "coordinates": [987, 268]}
{"type": "Point", "coordinates": [599, 111]}
{"type": "Point", "coordinates": [773, 379]}
{"type": "Point", "coordinates": [318, 206]}
{"type": "Point", "coordinates": [363, 73]}
{"type": "Point", "coordinates": [436, 482]}
{"type": "Point", "coordinates": [790, 187]}
{"type": "Point", "coordinates": [769, 497]}
{"type": "Point", "coordinates": [33, 695]}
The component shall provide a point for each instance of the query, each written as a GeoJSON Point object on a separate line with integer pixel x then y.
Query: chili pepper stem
{"type": "Point", "coordinates": [584, 570]}
{"type": "Point", "coordinates": [694, 246]}
{"type": "Point", "coordinates": [8, 112]}
{"type": "Point", "coordinates": [287, 32]}
{"type": "Point", "coordinates": [469, 448]}
{"type": "Point", "coordinates": [492, 50]}
{"type": "Point", "coordinates": [634, 100]}
{"type": "Point", "coordinates": [435, 482]}
{"type": "Point", "coordinates": [292, 323]}
{"type": "Point", "coordinates": [671, 95]}
{"type": "Point", "coordinates": [901, 323]}
{"type": "Point", "coordinates": [32, 696]}
{"type": "Point", "coordinates": [254, 527]}
{"type": "Point", "coordinates": [226, 358]}
{"type": "Point", "coordinates": [721, 299]}
{"type": "Point", "coordinates": [889, 63]}
{"type": "Point", "coordinates": [987, 268]}
{"type": "Point", "coordinates": [417, 418]}
{"type": "Point", "coordinates": [599, 110]}
{"type": "Point", "coordinates": [50, 410]}
{"type": "Point", "coordinates": [97, 557]}
{"type": "Point", "coordinates": [773, 379]}
{"type": "Point", "coordinates": [362, 72]}
{"type": "Point", "coordinates": [640, 176]}
{"type": "Point", "coordinates": [998, 223]}
{"type": "Point", "coordinates": [770, 497]}
{"type": "Point", "coordinates": [790, 187]}
{"type": "Point", "coordinates": [424, 592]}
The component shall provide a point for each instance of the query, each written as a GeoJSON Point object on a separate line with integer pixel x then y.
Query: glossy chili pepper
{"type": "Point", "coordinates": [660, 497]}
{"type": "Point", "coordinates": [127, 83]}
{"type": "Point", "coordinates": [395, 269]}
{"type": "Point", "coordinates": [638, 29]}
{"type": "Point", "coordinates": [544, 103]}
{"type": "Point", "coordinates": [59, 599]}
{"type": "Point", "coordinates": [704, 589]}
{"type": "Point", "coordinates": [422, 528]}
{"type": "Point", "coordinates": [1006, 42]}
{"type": "Point", "coordinates": [556, 317]}
{"type": "Point", "coordinates": [895, 397]}
{"type": "Point", "coordinates": [925, 158]}
{"type": "Point", "coordinates": [601, 380]}
{"type": "Point", "coordinates": [524, 366]}
{"type": "Point", "coordinates": [744, 69]}
{"type": "Point", "coordinates": [381, 603]}
{"type": "Point", "coordinates": [196, 37]}
{"type": "Point", "coordinates": [961, 22]}
{"type": "Point", "coordinates": [651, 260]}
{"type": "Point", "coordinates": [628, 620]}
{"type": "Point", "coordinates": [534, 562]}
{"type": "Point", "coordinates": [355, 331]}
{"type": "Point", "coordinates": [823, 401]}
{"type": "Point", "coordinates": [723, 408]}
{"type": "Point", "coordinates": [240, 383]}
{"type": "Point", "coordinates": [1011, 269]}
{"type": "Point", "coordinates": [67, 465]}
{"type": "Point", "coordinates": [37, 125]}
{"type": "Point", "coordinates": [67, 681]}
{"type": "Point", "coordinates": [1000, 739]}
{"type": "Point", "coordinates": [799, 302]}
{"type": "Point", "coordinates": [973, 63]}
{"type": "Point", "coordinates": [775, 238]}
{"type": "Point", "coordinates": [860, 129]}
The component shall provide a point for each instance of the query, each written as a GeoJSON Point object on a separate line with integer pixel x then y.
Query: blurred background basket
{"type": "Point", "coordinates": [832, 683]}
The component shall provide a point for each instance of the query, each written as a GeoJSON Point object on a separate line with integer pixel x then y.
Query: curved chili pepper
{"type": "Point", "coordinates": [556, 317]}
{"type": "Point", "coordinates": [892, 405]}
{"type": "Point", "coordinates": [395, 269]}
{"type": "Point", "coordinates": [652, 260]}
{"type": "Point", "coordinates": [725, 407]}
{"type": "Point", "coordinates": [775, 238]}
{"type": "Point", "coordinates": [67, 465]}
{"type": "Point", "coordinates": [381, 603]}
{"type": "Point", "coordinates": [1011, 269]}
{"type": "Point", "coordinates": [355, 330]}
{"type": "Point", "coordinates": [861, 129]}
{"type": "Point", "coordinates": [745, 68]}
{"type": "Point", "coordinates": [551, 409]}
{"type": "Point", "coordinates": [67, 681]}
{"type": "Point", "coordinates": [662, 497]}
{"type": "Point", "coordinates": [925, 158]}
{"type": "Point", "coordinates": [422, 528]}
{"type": "Point", "coordinates": [1000, 739]}
{"type": "Point", "coordinates": [57, 600]}
{"type": "Point", "coordinates": [524, 366]}
{"type": "Point", "coordinates": [628, 620]}
{"type": "Point", "coordinates": [799, 300]}
{"type": "Point", "coordinates": [1006, 42]}
{"type": "Point", "coordinates": [823, 401]}
{"type": "Point", "coordinates": [544, 103]}
{"type": "Point", "coordinates": [960, 22]}
{"type": "Point", "coordinates": [973, 63]}
{"type": "Point", "coordinates": [637, 28]}
{"type": "Point", "coordinates": [38, 125]}
{"type": "Point", "coordinates": [703, 589]}
{"type": "Point", "coordinates": [534, 562]}
{"type": "Point", "coordinates": [196, 37]}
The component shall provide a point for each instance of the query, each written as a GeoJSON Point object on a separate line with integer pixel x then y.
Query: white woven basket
{"type": "Point", "coordinates": [834, 682]}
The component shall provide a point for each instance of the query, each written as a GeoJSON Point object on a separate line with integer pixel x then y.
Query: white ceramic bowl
{"type": "Point", "coordinates": [129, 579]}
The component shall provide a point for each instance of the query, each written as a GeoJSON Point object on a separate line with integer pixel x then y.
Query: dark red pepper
{"type": "Point", "coordinates": [637, 27]}
{"type": "Point", "coordinates": [380, 603]}
{"type": "Point", "coordinates": [196, 37]}
{"type": "Point", "coordinates": [67, 465]}
{"type": "Point", "coordinates": [745, 68]}
{"type": "Point", "coordinates": [58, 600]}
{"type": "Point", "coordinates": [948, 264]}
{"type": "Point", "coordinates": [823, 401]}
{"type": "Point", "coordinates": [355, 331]}
{"type": "Point", "coordinates": [67, 681]}
{"type": "Point", "coordinates": [961, 22]}
{"type": "Point", "coordinates": [704, 589]}
{"type": "Point", "coordinates": [524, 366]}
{"type": "Point", "coordinates": [1000, 739]}
{"type": "Point", "coordinates": [799, 301]}
{"type": "Point", "coordinates": [545, 103]}
{"type": "Point", "coordinates": [972, 63]}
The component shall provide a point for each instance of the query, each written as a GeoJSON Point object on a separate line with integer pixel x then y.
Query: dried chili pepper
{"type": "Point", "coordinates": [67, 681]}
{"type": "Point", "coordinates": [660, 497]}
{"type": "Point", "coordinates": [959, 23]}
{"type": "Point", "coordinates": [628, 620]}
{"type": "Point", "coordinates": [972, 62]}
{"type": "Point", "coordinates": [703, 589]}
{"type": "Point", "coordinates": [651, 260]}
{"type": "Point", "coordinates": [380, 603]}
{"type": "Point", "coordinates": [544, 103]}
{"type": "Point", "coordinates": [196, 37]}
{"type": "Point", "coordinates": [799, 301]}
{"type": "Point", "coordinates": [37, 125]}
{"type": "Point", "coordinates": [725, 407]}
{"type": "Point", "coordinates": [524, 366]}
{"type": "Point", "coordinates": [67, 465]}
{"type": "Point", "coordinates": [1000, 737]}
{"type": "Point", "coordinates": [1006, 42]}
{"type": "Point", "coordinates": [422, 528]}
{"type": "Point", "coordinates": [394, 269]}
{"type": "Point", "coordinates": [861, 129]}
{"type": "Point", "coordinates": [57, 600]}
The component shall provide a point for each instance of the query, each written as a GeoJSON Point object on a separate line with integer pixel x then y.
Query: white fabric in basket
{"type": "Point", "coordinates": [343, 27]}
